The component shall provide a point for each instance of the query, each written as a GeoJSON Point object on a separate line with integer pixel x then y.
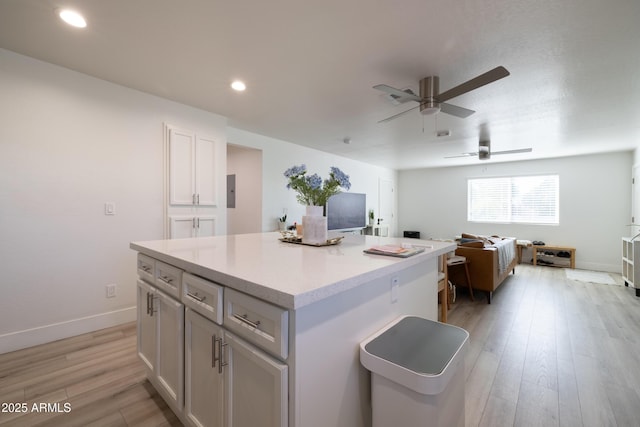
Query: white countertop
{"type": "Point", "coordinates": [286, 274]}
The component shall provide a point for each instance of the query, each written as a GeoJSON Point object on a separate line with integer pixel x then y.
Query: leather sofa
{"type": "Point", "coordinates": [484, 266]}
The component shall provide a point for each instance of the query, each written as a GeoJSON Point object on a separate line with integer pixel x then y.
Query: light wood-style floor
{"type": "Point", "coordinates": [97, 374]}
{"type": "Point", "coordinates": [550, 351]}
{"type": "Point", "coordinates": [547, 352]}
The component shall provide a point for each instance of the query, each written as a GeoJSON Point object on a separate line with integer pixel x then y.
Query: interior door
{"type": "Point", "coordinates": [386, 203]}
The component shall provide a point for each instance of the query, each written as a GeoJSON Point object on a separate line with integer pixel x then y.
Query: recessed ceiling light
{"type": "Point", "coordinates": [238, 85]}
{"type": "Point", "coordinates": [72, 18]}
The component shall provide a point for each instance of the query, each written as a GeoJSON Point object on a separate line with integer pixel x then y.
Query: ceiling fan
{"type": "Point", "coordinates": [484, 151]}
{"type": "Point", "coordinates": [432, 102]}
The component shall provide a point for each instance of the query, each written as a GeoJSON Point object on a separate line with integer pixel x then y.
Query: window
{"type": "Point", "coordinates": [515, 199]}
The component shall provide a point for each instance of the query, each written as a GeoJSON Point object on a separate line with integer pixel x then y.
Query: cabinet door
{"type": "Point", "coordinates": [256, 386]}
{"type": "Point", "coordinates": [181, 227]}
{"type": "Point", "coordinates": [204, 391]}
{"type": "Point", "coordinates": [206, 171]}
{"type": "Point", "coordinates": [170, 336]}
{"type": "Point", "coordinates": [182, 152]}
{"type": "Point", "coordinates": [206, 226]}
{"type": "Point", "coordinates": [146, 325]}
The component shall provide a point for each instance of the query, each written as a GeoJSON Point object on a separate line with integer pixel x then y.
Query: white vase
{"type": "Point", "coordinates": [315, 210]}
{"type": "Point", "coordinates": [314, 226]}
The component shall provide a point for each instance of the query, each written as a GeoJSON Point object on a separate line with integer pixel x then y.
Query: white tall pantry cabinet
{"type": "Point", "coordinates": [191, 185]}
{"type": "Point", "coordinates": [631, 263]}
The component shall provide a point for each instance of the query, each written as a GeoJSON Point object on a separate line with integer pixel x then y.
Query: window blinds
{"type": "Point", "coordinates": [517, 199]}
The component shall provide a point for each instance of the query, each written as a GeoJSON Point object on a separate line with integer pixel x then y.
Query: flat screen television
{"type": "Point", "coordinates": [347, 211]}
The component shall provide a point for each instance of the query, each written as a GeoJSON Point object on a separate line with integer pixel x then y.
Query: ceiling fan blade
{"type": "Point", "coordinates": [397, 92]}
{"type": "Point", "coordinates": [483, 79]}
{"type": "Point", "coordinates": [397, 115]}
{"type": "Point", "coordinates": [470, 154]}
{"type": "Point", "coordinates": [520, 150]}
{"type": "Point", "coordinates": [454, 110]}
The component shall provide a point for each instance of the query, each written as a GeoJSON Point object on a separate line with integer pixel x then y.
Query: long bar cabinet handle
{"type": "Point", "coordinates": [244, 319]}
{"type": "Point", "coordinates": [196, 296]}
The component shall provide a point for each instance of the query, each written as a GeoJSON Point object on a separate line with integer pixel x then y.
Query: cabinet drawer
{"type": "Point", "coordinates": [260, 322]}
{"type": "Point", "coordinates": [168, 278]}
{"type": "Point", "coordinates": [202, 296]}
{"type": "Point", "coordinates": [146, 268]}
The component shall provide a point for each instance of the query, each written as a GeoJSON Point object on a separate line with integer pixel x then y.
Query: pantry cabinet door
{"type": "Point", "coordinates": [206, 172]}
{"type": "Point", "coordinates": [182, 167]}
{"type": "Point", "coordinates": [181, 227]}
{"type": "Point", "coordinates": [206, 226]}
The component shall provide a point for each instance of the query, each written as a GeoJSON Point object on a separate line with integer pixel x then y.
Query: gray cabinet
{"type": "Point", "coordinates": [204, 385]}
{"type": "Point", "coordinates": [208, 375]}
{"type": "Point", "coordinates": [160, 333]}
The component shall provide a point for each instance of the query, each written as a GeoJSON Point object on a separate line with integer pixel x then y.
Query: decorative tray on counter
{"type": "Point", "coordinates": [293, 238]}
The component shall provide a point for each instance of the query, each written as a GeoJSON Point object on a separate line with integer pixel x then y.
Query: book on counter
{"type": "Point", "coordinates": [395, 250]}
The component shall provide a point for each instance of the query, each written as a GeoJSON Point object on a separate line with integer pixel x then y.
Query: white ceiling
{"type": "Point", "coordinates": [574, 86]}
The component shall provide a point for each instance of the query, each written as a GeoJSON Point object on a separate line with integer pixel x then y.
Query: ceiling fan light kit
{"type": "Point", "coordinates": [431, 101]}
{"type": "Point", "coordinates": [484, 150]}
{"type": "Point", "coordinates": [428, 91]}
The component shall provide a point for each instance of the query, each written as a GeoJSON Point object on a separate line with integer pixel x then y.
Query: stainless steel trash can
{"type": "Point", "coordinates": [417, 373]}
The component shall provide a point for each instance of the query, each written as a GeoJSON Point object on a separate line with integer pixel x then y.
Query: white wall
{"type": "Point", "coordinates": [635, 194]}
{"type": "Point", "coordinates": [246, 164]}
{"type": "Point", "coordinates": [278, 156]}
{"type": "Point", "coordinates": [68, 144]}
{"type": "Point", "coordinates": [594, 204]}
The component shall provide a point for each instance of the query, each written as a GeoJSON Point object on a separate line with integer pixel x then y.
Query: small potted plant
{"type": "Point", "coordinates": [282, 222]}
{"type": "Point", "coordinates": [371, 217]}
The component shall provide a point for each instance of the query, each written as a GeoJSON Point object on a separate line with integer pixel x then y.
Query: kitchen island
{"type": "Point", "coordinates": [287, 320]}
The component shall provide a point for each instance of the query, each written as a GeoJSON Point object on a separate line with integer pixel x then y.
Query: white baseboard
{"type": "Point", "coordinates": [56, 331]}
{"type": "Point", "coordinates": [595, 266]}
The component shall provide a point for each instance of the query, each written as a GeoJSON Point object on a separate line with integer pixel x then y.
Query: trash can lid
{"type": "Point", "coordinates": [420, 345]}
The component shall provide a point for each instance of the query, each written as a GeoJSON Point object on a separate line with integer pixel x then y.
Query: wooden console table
{"type": "Point", "coordinates": [556, 250]}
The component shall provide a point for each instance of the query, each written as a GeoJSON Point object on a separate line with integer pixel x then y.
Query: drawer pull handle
{"type": "Point", "coordinates": [244, 319]}
{"type": "Point", "coordinates": [166, 279]}
{"type": "Point", "coordinates": [145, 268]}
{"type": "Point", "coordinates": [196, 296]}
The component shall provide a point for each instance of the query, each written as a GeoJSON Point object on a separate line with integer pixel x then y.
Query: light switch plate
{"type": "Point", "coordinates": [109, 208]}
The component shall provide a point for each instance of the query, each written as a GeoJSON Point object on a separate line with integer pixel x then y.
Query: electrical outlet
{"type": "Point", "coordinates": [395, 282]}
{"type": "Point", "coordinates": [111, 290]}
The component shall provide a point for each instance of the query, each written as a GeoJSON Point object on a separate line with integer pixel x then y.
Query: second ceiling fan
{"type": "Point", "coordinates": [484, 151]}
{"type": "Point", "coordinates": [431, 101]}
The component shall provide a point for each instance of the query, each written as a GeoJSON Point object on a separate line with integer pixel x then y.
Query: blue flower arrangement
{"type": "Point", "coordinates": [311, 189]}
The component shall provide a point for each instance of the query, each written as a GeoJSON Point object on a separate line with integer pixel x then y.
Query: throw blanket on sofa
{"type": "Point", "coordinates": [506, 253]}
